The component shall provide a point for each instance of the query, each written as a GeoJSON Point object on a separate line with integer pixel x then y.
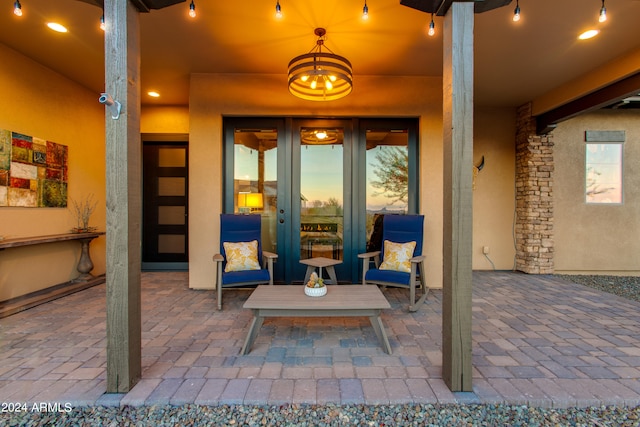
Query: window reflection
{"type": "Point", "coordinates": [604, 173]}
{"type": "Point", "coordinates": [255, 179]}
{"type": "Point", "coordinates": [387, 174]}
{"type": "Point", "coordinates": [321, 187]}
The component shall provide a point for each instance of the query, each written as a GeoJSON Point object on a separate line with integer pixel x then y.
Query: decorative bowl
{"type": "Point", "coordinates": [315, 292]}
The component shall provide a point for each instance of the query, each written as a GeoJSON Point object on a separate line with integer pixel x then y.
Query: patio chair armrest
{"type": "Point", "coordinates": [418, 258]}
{"type": "Point", "coordinates": [268, 259]}
{"type": "Point", "coordinates": [369, 254]}
{"type": "Point", "coordinates": [366, 259]}
{"type": "Point", "coordinates": [218, 258]}
{"type": "Point", "coordinates": [269, 255]}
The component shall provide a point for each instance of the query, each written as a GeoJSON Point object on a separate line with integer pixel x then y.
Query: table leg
{"type": "Point", "coordinates": [256, 324]}
{"type": "Point", "coordinates": [85, 265]}
{"type": "Point", "coordinates": [378, 327]}
{"type": "Point", "coordinates": [331, 271]}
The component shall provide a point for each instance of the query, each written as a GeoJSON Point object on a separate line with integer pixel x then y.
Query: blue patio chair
{"type": "Point", "coordinates": [241, 261]}
{"type": "Point", "coordinates": [401, 254]}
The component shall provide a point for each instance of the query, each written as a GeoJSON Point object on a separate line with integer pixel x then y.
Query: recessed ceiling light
{"type": "Point", "coordinates": [153, 93]}
{"type": "Point", "coordinates": [57, 27]}
{"type": "Point", "coordinates": [588, 34]}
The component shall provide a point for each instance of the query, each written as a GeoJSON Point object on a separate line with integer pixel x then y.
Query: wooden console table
{"type": "Point", "coordinates": [84, 267]}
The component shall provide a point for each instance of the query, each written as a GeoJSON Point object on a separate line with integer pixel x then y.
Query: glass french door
{"type": "Point", "coordinates": [312, 182]}
{"type": "Point", "coordinates": [292, 173]}
{"type": "Point", "coordinates": [322, 177]}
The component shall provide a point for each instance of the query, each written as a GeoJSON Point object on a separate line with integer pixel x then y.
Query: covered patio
{"type": "Point", "coordinates": [537, 340]}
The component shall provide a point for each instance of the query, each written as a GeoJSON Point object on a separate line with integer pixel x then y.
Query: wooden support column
{"type": "Point", "coordinates": [123, 157]}
{"type": "Point", "coordinates": [458, 198]}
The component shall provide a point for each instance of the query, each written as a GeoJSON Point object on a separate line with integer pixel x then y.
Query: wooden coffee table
{"type": "Point", "coordinates": [340, 301]}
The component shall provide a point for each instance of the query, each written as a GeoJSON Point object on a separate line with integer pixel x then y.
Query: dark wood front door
{"type": "Point", "coordinates": [165, 206]}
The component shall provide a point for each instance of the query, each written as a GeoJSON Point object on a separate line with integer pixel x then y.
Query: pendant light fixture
{"type": "Point", "coordinates": [365, 11]}
{"type": "Point", "coordinates": [278, 10]}
{"type": "Point", "coordinates": [318, 75]}
{"type": "Point", "coordinates": [192, 9]}
{"type": "Point", "coordinates": [320, 136]}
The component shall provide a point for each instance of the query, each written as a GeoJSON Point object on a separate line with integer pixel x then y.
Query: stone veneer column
{"type": "Point", "coordinates": [534, 196]}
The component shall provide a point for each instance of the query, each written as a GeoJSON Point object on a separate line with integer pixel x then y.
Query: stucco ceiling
{"type": "Point", "coordinates": [514, 62]}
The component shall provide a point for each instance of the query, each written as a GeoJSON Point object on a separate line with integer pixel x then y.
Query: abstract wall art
{"type": "Point", "coordinates": [33, 171]}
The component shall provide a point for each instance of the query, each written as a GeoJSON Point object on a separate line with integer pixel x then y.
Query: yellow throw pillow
{"type": "Point", "coordinates": [397, 256]}
{"type": "Point", "coordinates": [241, 256]}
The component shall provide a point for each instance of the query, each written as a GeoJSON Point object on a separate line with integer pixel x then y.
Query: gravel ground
{"type": "Point", "coordinates": [623, 286]}
{"type": "Point", "coordinates": [355, 415]}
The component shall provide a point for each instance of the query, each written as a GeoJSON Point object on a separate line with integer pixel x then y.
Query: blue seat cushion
{"type": "Point", "coordinates": [250, 276]}
{"type": "Point", "coordinates": [391, 276]}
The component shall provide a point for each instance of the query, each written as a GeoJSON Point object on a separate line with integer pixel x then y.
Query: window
{"type": "Point", "coordinates": [603, 173]}
{"type": "Point", "coordinates": [391, 174]}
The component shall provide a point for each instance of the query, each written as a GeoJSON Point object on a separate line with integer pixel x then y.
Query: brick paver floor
{"type": "Point", "coordinates": [537, 340]}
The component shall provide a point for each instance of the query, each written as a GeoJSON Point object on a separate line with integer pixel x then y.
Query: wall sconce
{"type": "Point", "coordinates": [249, 202]}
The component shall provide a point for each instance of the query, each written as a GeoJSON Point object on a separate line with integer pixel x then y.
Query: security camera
{"type": "Point", "coordinates": [113, 106]}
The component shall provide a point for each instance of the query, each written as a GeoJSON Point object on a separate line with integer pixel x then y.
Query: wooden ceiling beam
{"type": "Point", "coordinates": [440, 7]}
{"type": "Point", "coordinates": [142, 5]}
{"type": "Point", "coordinates": [624, 88]}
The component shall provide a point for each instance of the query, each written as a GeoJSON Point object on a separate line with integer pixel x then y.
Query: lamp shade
{"type": "Point", "coordinates": [250, 200]}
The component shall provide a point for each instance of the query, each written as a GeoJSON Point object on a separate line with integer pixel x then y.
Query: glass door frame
{"type": "Point", "coordinates": [343, 271]}
{"type": "Point", "coordinates": [359, 162]}
{"type": "Point", "coordinates": [283, 186]}
{"type": "Point", "coordinates": [354, 181]}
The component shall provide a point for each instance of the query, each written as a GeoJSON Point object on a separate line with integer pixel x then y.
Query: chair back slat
{"type": "Point", "coordinates": [240, 228]}
{"type": "Point", "coordinates": [402, 229]}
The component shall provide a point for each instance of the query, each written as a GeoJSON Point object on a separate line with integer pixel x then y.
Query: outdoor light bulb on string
{"type": "Point", "coordinates": [103, 26]}
{"type": "Point", "coordinates": [603, 13]}
{"type": "Point", "coordinates": [192, 9]}
{"type": "Point", "coordinates": [432, 27]}
{"type": "Point", "coordinates": [365, 11]}
{"type": "Point", "coordinates": [17, 8]}
{"type": "Point", "coordinates": [278, 10]}
{"type": "Point", "coordinates": [516, 12]}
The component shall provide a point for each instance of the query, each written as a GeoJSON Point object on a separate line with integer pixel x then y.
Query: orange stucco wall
{"type": "Point", "coordinates": [39, 102]}
{"type": "Point", "coordinates": [53, 107]}
{"type": "Point", "coordinates": [596, 237]}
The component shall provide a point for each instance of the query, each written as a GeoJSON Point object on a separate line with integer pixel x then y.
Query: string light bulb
{"type": "Point", "coordinates": [278, 10]}
{"type": "Point", "coordinates": [432, 27]}
{"type": "Point", "coordinates": [365, 11]}
{"type": "Point", "coordinates": [192, 9]}
{"type": "Point", "coordinates": [103, 26]}
{"type": "Point", "coordinates": [603, 13]}
{"type": "Point", "coordinates": [17, 8]}
{"type": "Point", "coordinates": [516, 12]}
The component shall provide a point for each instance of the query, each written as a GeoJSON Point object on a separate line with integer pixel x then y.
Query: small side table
{"type": "Point", "coordinates": [320, 263]}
